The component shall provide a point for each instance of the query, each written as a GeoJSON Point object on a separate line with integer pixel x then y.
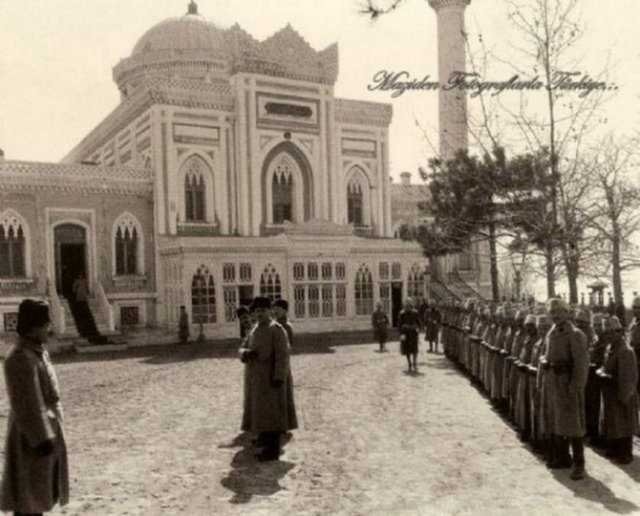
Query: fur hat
{"type": "Point", "coordinates": [530, 319]}
{"type": "Point", "coordinates": [32, 314]}
{"type": "Point", "coordinates": [242, 310]}
{"type": "Point", "coordinates": [281, 303]}
{"type": "Point", "coordinates": [260, 302]}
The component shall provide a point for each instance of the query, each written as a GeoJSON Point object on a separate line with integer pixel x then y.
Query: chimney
{"type": "Point", "coordinates": [405, 178]}
{"type": "Point", "coordinates": [1, 156]}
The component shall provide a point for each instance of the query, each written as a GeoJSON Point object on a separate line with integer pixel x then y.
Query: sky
{"type": "Point", "coordinates": [57, 58]}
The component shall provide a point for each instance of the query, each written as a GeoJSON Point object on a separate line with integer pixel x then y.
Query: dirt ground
{"type": "Point", "coordinates": [155, 431]}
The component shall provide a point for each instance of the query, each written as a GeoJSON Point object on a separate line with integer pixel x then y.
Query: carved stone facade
{"type": "Point", "coordinates": [223, 173]}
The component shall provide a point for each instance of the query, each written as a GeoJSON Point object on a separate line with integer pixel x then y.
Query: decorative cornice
{"type": "Point", "coordinates": [24, 175]}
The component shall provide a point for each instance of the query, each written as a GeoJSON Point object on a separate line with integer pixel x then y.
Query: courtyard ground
{"type": "Point", "coordinates": [155, 431]}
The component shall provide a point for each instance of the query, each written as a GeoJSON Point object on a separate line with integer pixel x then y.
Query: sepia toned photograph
{"type": "Point", "coordinates": [349, 257]}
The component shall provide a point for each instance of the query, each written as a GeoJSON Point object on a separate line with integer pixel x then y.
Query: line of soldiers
{"type": "Point", "coordinates": [557, 373]}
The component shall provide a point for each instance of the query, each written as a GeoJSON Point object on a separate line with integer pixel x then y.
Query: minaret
{"type": "Point", "coordinates": [452, 109]}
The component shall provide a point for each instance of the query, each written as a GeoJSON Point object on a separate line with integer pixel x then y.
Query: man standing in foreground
{"type": "Point", "coordinates": [280, 311]}
{"type": "Point", "coordinates": [267, 356]}
{"type": "Point", "coordinates": [567, 361]}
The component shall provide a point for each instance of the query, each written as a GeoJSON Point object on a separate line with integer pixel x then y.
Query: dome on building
{"type": "Point", "coordinates": [182, 33]}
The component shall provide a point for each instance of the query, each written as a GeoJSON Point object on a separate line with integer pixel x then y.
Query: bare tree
{"type": "Point", "coordinates": [616, 198]}
{"type": "Point", "coordinates": [551, 30]}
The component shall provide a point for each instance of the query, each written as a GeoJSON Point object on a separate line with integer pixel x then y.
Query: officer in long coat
{"type": "Point", "coordinates": [280, 310]}
{"type": "Point", "coordinates": [522, 408]}
{"type": "Point", "coordinates": [380, 324]}
{"type": "Point", "coordinates": [515, 326]}
{"type": "Point", "coordinates": [567, 359]}
{"type": "Point", "coordinates": [620, 374]}
{"type": "Point", "coordinates": [543, 325]}
{"type": "Point", "coordinates": [593, 390]}
{"type": "Point", "coordinates": [409, 324]}
{"type": "Point", "coordinates": [267, 355]}
{"type": "Point", "coordinates": [244, 317]}
{"type": "Point", "coordinates": [36, 473]}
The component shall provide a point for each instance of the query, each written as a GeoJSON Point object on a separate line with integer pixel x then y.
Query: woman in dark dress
{"type": "Point", "coordinates": [409, 323]}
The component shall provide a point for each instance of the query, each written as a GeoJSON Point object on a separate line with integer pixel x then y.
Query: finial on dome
{"type": "Point", "coordinates": [193, 8]}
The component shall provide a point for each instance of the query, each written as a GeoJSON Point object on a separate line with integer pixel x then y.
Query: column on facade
{"type": "Point", "coordinates": [334, 167]}
{"type": "Point", "coordinates": [157, 149]}
{"type": "Point", "coordinates": [174, 187]}
{"type": "Point", "coordinates": [384, 182]}
{"type": "Point", "coordinates": [241, 170]}
{"type": "Point", "coordinates": [222, 185]}
{"type": "Point", "coordinates": [255, 168]}
{"type": "Point", "coordinates": [324, 180]}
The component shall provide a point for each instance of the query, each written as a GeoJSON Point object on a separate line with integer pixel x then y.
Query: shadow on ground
{"type": "Point", "coordinates": [595, 491]}
{"type": "Point", "coordinates": [248, 477]}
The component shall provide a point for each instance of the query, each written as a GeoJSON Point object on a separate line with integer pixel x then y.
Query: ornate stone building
{"type": "Point", "coordinates": [229, 169]}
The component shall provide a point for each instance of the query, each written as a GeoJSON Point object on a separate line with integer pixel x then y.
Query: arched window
{"type": "Point", "coordinates": [195, 189]}
{"type": "Point", "coordinates": [415, 283]}
{"type": "Point", "coordinates": [128, 246]}
{"type": "Point", "coordinates": [282, 192]}
{"type": "Point", "coordinates": [354, 203]}
{"type": "Point", "coordinates": [270, 283]}
{"type": "Point", "coordinates": [12, 249]}
{"type": "Point", "coordinates": [203, 297]}
{"type": "Point", "coordinates": [364, 291]}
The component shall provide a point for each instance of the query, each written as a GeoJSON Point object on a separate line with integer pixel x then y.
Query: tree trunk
{"type": "Point", "coordinates": [493, 257]}
{"type": "Point", "coordinates": [550, 269]}
{"type": "Point", "coordinates": [615, 263]}
{"type": "Point", "coordinates": [572, 279]}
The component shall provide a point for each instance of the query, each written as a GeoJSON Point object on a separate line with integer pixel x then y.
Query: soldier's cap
{"type": "Point", "coordinates": [555, 303]}
{"type": "Point", "coordinates": [613, 324]}
{"type": "Point", "coordinates": [636, 302]}
{"type": "Point", "coordinates": [260, 302]}
{"type": "Point", "coordinates": [543, 321]}
{"type": "Point", "coordinates": [530, 319]}
{"type": "Point", "coordinates": [583, 315]}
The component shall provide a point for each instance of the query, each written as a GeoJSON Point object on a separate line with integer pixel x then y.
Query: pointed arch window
{"type": "Point", "coordinates": [270, 285]}
{"type": "Point", "coordinates": [128, 246]}
{"type": "Point", "coordinates": [196, 176]}
{"type": "Point", "coordinates": [203, 297]}
{"type": "Point", "coordinates": [364, 291]}
{"type": "Point", "coordinates": [12, 249]}
{"type": "Point", "coordinates": [355, 204]}
{"type": "Point", "coordinates": [282, 192]}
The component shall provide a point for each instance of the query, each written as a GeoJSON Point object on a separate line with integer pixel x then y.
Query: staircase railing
{"type": "Point", "coordinates": [459, 283]}
{"type": "Point", "coordinates": [106, 309]}
{"type": "Point", "coordinates": [441, 293]}
{"type": "Point", "coordinates": [57, 310]}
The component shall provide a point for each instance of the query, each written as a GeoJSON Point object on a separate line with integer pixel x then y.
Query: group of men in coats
{"type": "Point", "coordinates": [558, 373]}
{"type": "Point", "coordinates": [269, 410]}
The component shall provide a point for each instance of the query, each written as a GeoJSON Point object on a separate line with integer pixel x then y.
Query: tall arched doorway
{"type": "Point", "coordinates": [70, 242]}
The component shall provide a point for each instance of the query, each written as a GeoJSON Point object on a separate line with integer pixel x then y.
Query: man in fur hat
{"type": "Point", "coordinates": [267, 356]}
{"type": "Point", "coordinates": [36, 473]}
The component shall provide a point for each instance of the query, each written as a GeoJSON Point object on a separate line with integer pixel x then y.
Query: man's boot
{"type": "Point", "coordinates": [577, 450]}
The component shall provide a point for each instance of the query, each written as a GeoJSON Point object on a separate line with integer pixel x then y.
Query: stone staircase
{"type": "Point", "coordinates": [461, 288]}
{"type": "Point", "coordinates": [71, 331]}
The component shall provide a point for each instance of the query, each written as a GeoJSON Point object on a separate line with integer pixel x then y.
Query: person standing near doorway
{"type": "Point", "coordinates": [184, 325]}
{"type": "Point", "coordinates": [380, 324]}
{"type": "Point", "coordinates": [409, 323]}
{"type": "Point", "coordinates": [36, 473]}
